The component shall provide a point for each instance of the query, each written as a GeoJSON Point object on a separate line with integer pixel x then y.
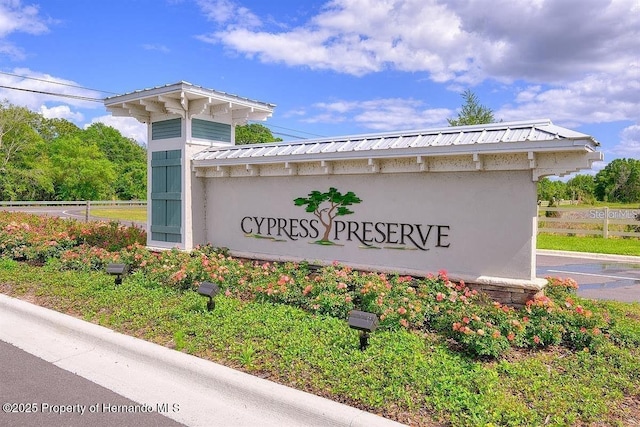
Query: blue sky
{"type": "Point", "coordinates": [337, 67]}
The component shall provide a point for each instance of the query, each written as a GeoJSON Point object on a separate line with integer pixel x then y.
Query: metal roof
{"type": "Point", "coordinates": [182, 85]}
{"type": "Point", "coordinates": [495, 136]}
{"type": "Point", "coordinates": [184, 99]}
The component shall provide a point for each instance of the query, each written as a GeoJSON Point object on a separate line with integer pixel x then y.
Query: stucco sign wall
{"type": "Point", "coordinates": [410, 223]}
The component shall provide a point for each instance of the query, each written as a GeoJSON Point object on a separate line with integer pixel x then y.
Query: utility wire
{"type": "Point", "coordinates": [286, 134]}
{"type": "Point", "coordinates": [275, 132]}
{"type": "Point", "coordinates": [293, 130]}
{"type": "Point", "coordinates": [54, 82]}
{"type": "Point", "coordinates": [42, 92]}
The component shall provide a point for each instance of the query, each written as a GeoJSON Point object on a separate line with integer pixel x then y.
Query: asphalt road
{"type": "Point", "coordinates": [75, 212]}
{"type": "Point", "coordinates": [34, 392]}
{"type": "Point", "coordinates": [598, 278]}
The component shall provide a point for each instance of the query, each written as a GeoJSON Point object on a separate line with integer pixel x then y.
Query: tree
{"type": "Point", "coordinates": [472, 113]}
{"type": "Point", "coordinates": [81, 171]}
{"type": "Point", "coordinates": [16, 132]}
{"type": "Point", "coordinates": [127, 156]}
{"type": "Point", "coordinates": [551, 190]}
{"type": "Point", "coordinates": [337, 206]}
{"type": "Point", "coordinates": [582, 188]}
{"type": "Point", "coordinates": [619, 181]}
{"type": "Point", "coordinates": [254, 133]}
{"type": "Point", "coordinates": [50, 129]}
{"type": "Point", "coordinates": [23, 164]}
{"type": "Point", "coordinates": [53, 159]}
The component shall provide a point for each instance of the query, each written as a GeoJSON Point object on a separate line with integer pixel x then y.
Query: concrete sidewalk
{"type": "Point", "coordinates": [207, 393]}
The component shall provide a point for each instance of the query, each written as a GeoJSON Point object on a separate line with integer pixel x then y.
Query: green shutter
{"type": "Point", "coordinates": [166, 196]}
{"type": "Point", "coordinates": [166, 129]}
{"type": "Point", "coordinates": [212, 131]}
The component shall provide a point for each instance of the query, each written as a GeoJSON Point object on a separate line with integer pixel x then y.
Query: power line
{"type": "Point", "coordinates": [294, 130]}
{"type": "Point", "coordinates": [42, 92]}
{"type": "Point", "coordinates": [286, 134]}
{"type": "Point", "coordinates": [275, 132]}
{"type": "Point", "coordinates": [54, 82]}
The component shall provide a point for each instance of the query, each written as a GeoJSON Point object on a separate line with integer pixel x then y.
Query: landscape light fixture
{"type": "Point", "coordinates": [208, 289]}
{"type": "Point", "coordinates": [365, 323]}
{"type": "Point", "coordinates": [117, 270]}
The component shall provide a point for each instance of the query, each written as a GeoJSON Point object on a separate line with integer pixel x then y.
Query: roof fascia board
{"type": "Point", "coordinates": [220, 96]}
{"type": "Point", "coordinates": [144, 94]}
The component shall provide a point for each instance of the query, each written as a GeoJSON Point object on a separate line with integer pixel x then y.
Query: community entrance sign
{"type": "Point", "coordinates": [326, 230]}
{"type": "Point", "coordinates": [461, 199]}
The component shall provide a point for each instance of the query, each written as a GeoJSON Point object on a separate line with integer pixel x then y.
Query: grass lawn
{"type": "Point", "coordinates": [416, 377]}
{"type": "Point", "coordinates": [135, 213]}
{"type": "Point", "coordinates": [589, 244]}
{"type": "Point", "coordinates": [609, 205]}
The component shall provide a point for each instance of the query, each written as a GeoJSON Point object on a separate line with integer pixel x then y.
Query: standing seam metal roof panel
{"type": "Point", "coordinates": [496, 133]}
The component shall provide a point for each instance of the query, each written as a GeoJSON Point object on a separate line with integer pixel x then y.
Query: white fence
{"type": "Point", "coordinates": [86, 205]}
{"type": "Point", "coordinates": [605, 222]}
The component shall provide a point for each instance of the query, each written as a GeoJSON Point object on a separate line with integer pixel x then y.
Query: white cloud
{"type": "Point", "coordinates": [35, 82]}
{"type": "Point", "coordinates": [380, 114]}
{"type": "Point", "coordinates": [551, 41]}
{"type": "Point", "coordinates": [597, 98]}
{"type": "Point", "coordinates": [23, 18]}
{"type": "Point", "coordinates": [459, 40]}
{"type": "Point", "coordinates": [219, 11]}
{"type": "Point", "coordinates": [11, 51]}
{"type": "Point", "coordinates": [61, 112]}
{"type": "Point", "coordinates": [157, 47]}
{"type": "Point", "coordinates": [128, 127]}
{"type": "Point", "coordinates": [629, 145]}
{"type": "Point", "coordinates": [16, 17]}
{"type": "Point", "coordinates": [228, 13]}
{"type": "Point", "coordinates": [355, 37]}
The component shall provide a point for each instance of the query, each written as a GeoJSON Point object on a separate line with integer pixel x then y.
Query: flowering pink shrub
{"type": "Point", "coordinates": [87, 258]}
{"type": "Point", "coordinates": [38, 238]}
{"type": "Point", "coordinates": [112, 235]}
{"type": "Point", "coordinates": [395, 299]}
{"type": "Point", "coordinates": [33, 238]}
{"type": "Point", "coordinates": [329, 292]}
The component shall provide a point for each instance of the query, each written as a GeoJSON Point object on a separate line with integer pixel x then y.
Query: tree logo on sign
{"type": "Point", "coordinates": [326, 206]}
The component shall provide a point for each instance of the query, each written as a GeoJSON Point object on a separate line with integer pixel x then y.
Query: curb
{"type": "Point", "coordinates": [256, 399]}
{"type": "Point", "coordinates": [589, 255]}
